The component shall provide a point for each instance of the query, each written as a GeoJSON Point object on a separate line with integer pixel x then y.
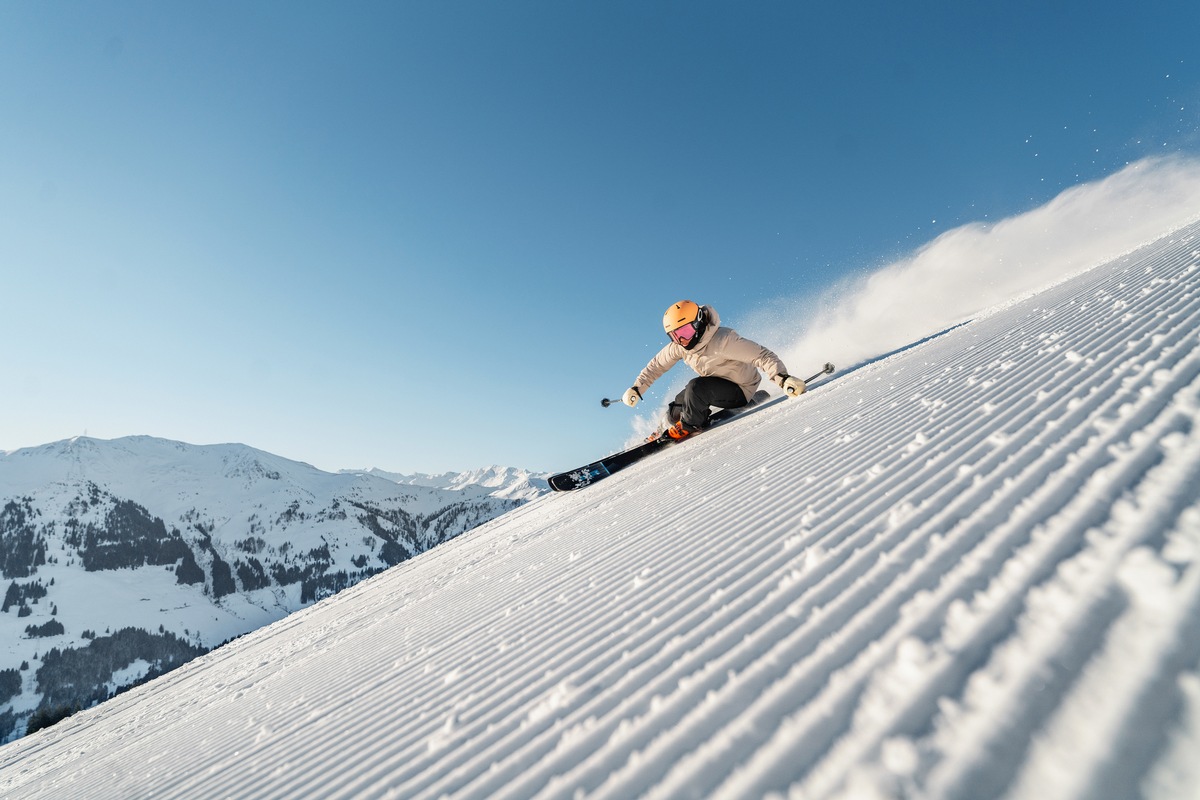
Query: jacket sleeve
{"type": "Point", "coordinates": [666, 358]}
{"type": "Point", "coordinates": [743, 349]}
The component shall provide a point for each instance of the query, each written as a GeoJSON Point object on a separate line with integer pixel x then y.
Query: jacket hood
{"type": "Point", "coordinates": [710, 329]}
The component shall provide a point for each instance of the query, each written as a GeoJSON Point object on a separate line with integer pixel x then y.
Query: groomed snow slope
{"type": "Point", "coordinates": [969, 570]}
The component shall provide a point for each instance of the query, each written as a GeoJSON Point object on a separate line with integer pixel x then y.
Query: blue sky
{"type": "Point", "coordinates": [432, 235]}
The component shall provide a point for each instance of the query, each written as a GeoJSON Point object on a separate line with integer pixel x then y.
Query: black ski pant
{"type": "Point", "coordinates": [693, 403]}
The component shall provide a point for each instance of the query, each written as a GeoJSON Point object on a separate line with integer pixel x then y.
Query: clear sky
{"type": "Point", "coordinates": [427, 236]}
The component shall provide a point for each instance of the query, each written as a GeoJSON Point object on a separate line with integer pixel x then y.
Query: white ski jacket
{"type": "Point", "coordinates": [721, 352]}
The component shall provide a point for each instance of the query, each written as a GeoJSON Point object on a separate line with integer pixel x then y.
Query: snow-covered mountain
{"type": "Point", "coordinates": [968, 570]}
{"type": "Point", "coordinates": [121, 559]}
{"type": "Point", "coordinates": [507, 482]}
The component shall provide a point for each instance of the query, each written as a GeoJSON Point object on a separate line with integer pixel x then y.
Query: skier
{"type": "Point", "coordinates": [728, 366]}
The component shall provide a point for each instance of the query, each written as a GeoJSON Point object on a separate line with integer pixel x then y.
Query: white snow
{"type": "Point", "coordinates": [509, 483]}
{"type": "Point", "coordinates": [969, 570]}
{"type": "Point", "coordinates": [228, 495]}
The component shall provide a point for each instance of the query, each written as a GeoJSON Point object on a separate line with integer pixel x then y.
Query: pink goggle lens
{"type": "Point", "coordinates": [684, 334]}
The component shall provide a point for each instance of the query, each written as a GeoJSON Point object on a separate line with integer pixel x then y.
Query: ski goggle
{"type": "Point", "coordinates": [684, 334]}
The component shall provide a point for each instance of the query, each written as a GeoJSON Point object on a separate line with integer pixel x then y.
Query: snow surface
{"type": "Point", "coordinates": [971, 569]}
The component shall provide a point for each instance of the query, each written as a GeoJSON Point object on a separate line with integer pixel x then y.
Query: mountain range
{"type": "Point", "coordinates": [123, 559]}
{"type": "Point", "coordinates": [507, 482]}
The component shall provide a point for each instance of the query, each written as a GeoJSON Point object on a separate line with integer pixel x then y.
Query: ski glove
{"type": "Point", "coordinates": [792, 387]}
{"type": "Point", "coordinates": [632, 395]}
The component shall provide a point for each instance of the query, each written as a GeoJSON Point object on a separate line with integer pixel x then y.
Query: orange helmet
{"type": "Point", "coordinates": [685, 322]}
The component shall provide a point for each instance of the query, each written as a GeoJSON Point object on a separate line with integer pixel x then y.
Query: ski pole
{"type": "Point", "coordinates": [826, 370]}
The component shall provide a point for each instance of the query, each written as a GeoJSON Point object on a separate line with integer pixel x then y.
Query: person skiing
{"type": "Point", "coordinates": [728, 367]}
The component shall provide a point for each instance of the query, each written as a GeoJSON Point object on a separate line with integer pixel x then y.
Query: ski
{"type": "Point", "coordinates": [598, 470]}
